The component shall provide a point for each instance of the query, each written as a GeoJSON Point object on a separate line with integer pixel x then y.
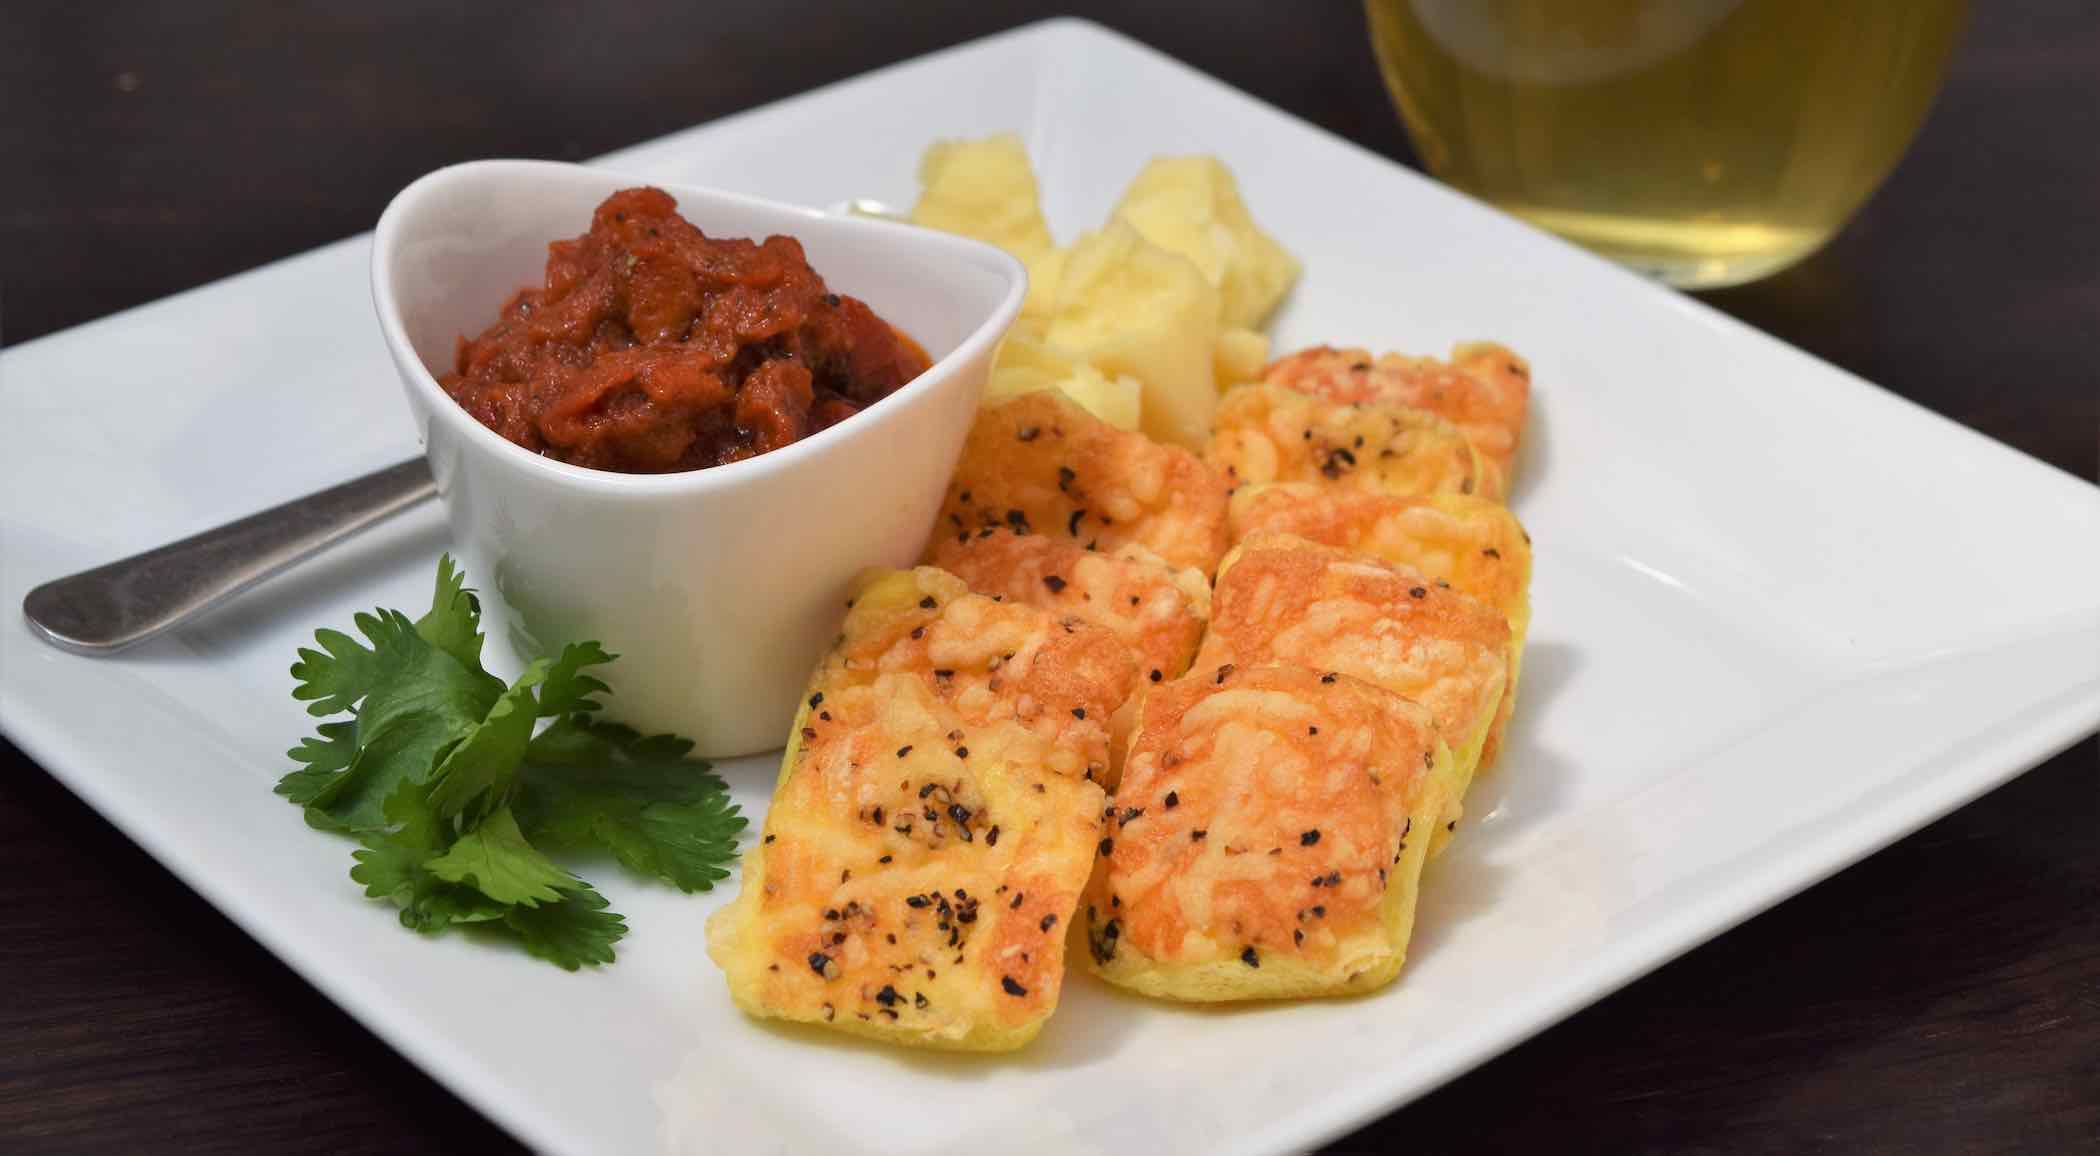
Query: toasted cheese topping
{"type": "Point", "coordinates": [1156, 609]}
{"type": "Point", "coordinates": [1484, 389]}
{"type": "Point", "coordinates": [1476, 545]}
{"type": "Point", "coordinates": [1266, 433]}
{"type": "Point", "coordinates": [1262, 810]}
{"type": "Point", "coordinates": [1039, 464]}
{"type": "Point", "coordinates": [934, 821]}
{"type": "Point", "coordinates": [1283, 600]}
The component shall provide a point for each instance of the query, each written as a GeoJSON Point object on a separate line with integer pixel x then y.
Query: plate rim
{"type": "Point", "coordinates": [2069, 715]}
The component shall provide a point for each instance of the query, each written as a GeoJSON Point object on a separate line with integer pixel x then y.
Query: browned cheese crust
{"type": "Point", "coordinates": [934, 821]}
{"type": "Point", "coordinates": [1284, 600]}
{"type": "Point", "coordinates": [1484, 389]}
{"type": "Point", "coordinates": [1156, 609]}
{"type": "Point", "coordinates": [1476, 545]}
{"type": "Point", "coordinates": [1267, 839]}
{"type": "Point", "coordinates": [1039, 464]}
{"type": "Point", "coordinates": [1267, 433]}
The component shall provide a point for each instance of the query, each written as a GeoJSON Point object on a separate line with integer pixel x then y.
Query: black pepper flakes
{"type": "Point", "coordinates": [1018, 520]}
{"type": "Point", "coordinates": [1222, 672]}
{"type": "Point", "coordinates": [1029, 433]}
{"type": "Point", "coordinates": [1072, 523]}
{"type": "Point", "coordinates": [1157, 675]}
{"type": "Point", "coordinates": [1012, 986]}
{"type": "Point", "coordinates": [1198, 835]}
{"type": "Point", "coordinates": [928, 603]}
{"type": "Point", "coordinates": [1328, 677]}
{"type": "Point", "coordinates": [903, 750]}
{"type": "Point", "coordinates": [991, 837]}
{"type": "Point", "coordinates": [917, 901]}
{"type": "Point", "coordinates": [1312, 730]}
{"type": "Point", "coordinates": [1049, 921]}
{"type": "Point", "coordinates": [1079, 712]}
{"type": "Point", "coordinates": [1172, 800]}
{"type": "Point", "coordinates": [887, 997]}
{"type": "Point", "coordinates": [1107, 848]}
{"type": "Point", "coordinates": [918, 1000]}
{"type": "Point", "coordinates": [1491, 552]}
{"type": "Point", "coordinates": [821, 964]}
{"type": "Point", "coordinates": [1309, 838]}
{"type": "Point", "coordinates": [816, 700]}
{"type": "Point", "coordinates": [1250, 957]}
{"type": "Point", "coordinates": [1055, 584]}
{"type": "Point", "coordinates": [962, 752]}
{"type": "Point", "coordinates": [1418, 592]}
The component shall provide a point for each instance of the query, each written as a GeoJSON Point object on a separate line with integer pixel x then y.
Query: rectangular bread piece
{"type": "Point", "coordinates": [1268, 839]}
{"type": "Point", "coordinates": [1476, 545]}
{"type": "Point", "coordinates": [934, 822]}
{"type": "Point", "coordinates": [1039, 464]}
{"type": "Point", "coordinates": [1285, 601]}
{"type": "Point", "coordinates": [1484, 389]}
{"type": "Point", "coordinates": [1266, 433]}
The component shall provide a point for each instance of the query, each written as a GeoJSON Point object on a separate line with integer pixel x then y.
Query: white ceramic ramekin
{"type": "Point", "coordinates": [718, 588]}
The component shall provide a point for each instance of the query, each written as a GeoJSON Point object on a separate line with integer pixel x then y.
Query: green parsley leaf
{"type": "Point", "coordinates": [576, 931]}
{"type": "Point", "coordinates": [451, 796]}
{"type": "Point", "coordinates": [391, 866]}
{"type": "Point", "coordinates": [324, 758]}
{"type": "Point", "coordinates": [660, 813]}
{"type": "Point", "coordinates": [495, 859]}
{"type": "Point", "coordinates": [569, 690]}
{"type": "Point", "coordinates": [453, 623]}
{"type": "Point", "coordinates": [482, 763]}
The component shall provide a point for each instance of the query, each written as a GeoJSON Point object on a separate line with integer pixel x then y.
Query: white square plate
{"type": "Point", "coordinates": [1783, 618]}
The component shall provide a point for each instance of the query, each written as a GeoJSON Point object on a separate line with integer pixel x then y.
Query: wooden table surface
{"type": "Point", "coordinates": [1942, 996]}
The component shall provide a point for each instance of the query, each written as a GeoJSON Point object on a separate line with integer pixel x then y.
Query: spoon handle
{"type": "Point", "coordinates": [106, 609]}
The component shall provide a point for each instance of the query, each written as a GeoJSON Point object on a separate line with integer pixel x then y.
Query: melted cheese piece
{"type": "Point", "coordinates": [935, 819]}
{"type": "Point", "coordinates": [1266, 433]}
{"type": "Point", "coordinates": [1283, 600]}
{"type": "Point", "coordinates": [1476, 545]}
{"type": "Point", "coordinates": [1040, 464]}
{"type": "Point", "coordinates": [1484, 390]}
{"type": "Point", "coordinates": [1268, 838]}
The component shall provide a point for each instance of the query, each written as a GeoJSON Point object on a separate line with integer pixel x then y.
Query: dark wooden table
{"type": "Point", "coordinates": [1943, 996]}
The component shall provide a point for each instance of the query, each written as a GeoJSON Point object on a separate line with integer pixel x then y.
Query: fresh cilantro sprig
{"type": "Point", "coordinates": [455, 792]}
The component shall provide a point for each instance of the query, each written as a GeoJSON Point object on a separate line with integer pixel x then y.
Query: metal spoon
{"type": "Point", "coordinates": [104, 610]}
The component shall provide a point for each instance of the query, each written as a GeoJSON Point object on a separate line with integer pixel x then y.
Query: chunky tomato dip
{"type": "Point", "coordinates": [654, 348]}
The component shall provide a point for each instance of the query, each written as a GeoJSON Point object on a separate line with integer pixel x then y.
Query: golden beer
{"type": "Point", "coordinates": [1705, 142]}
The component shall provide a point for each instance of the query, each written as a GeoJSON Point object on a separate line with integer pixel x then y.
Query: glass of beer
{"type": "Point", "coordinates": [1704, 142]}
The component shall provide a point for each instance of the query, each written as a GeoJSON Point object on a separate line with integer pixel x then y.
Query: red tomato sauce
{"type": "Point", "coordinates": [654, 348]}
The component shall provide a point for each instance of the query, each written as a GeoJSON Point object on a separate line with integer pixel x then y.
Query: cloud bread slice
{"type": "Point", "coordinates": [1281, 600]}
{"type": "Point", "coordinates": [1268, 838]}
{"type": "Point", "coordinates": [933, 823]}
{"type": "Point", "coordinates": [1266, 433]}
{"type": "Point", "coordinates": [1039, 464]}
{"type": "Point", "coordinates": [1476, 545]}
{"type": "Point", "coordinates": [1484, 389]}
